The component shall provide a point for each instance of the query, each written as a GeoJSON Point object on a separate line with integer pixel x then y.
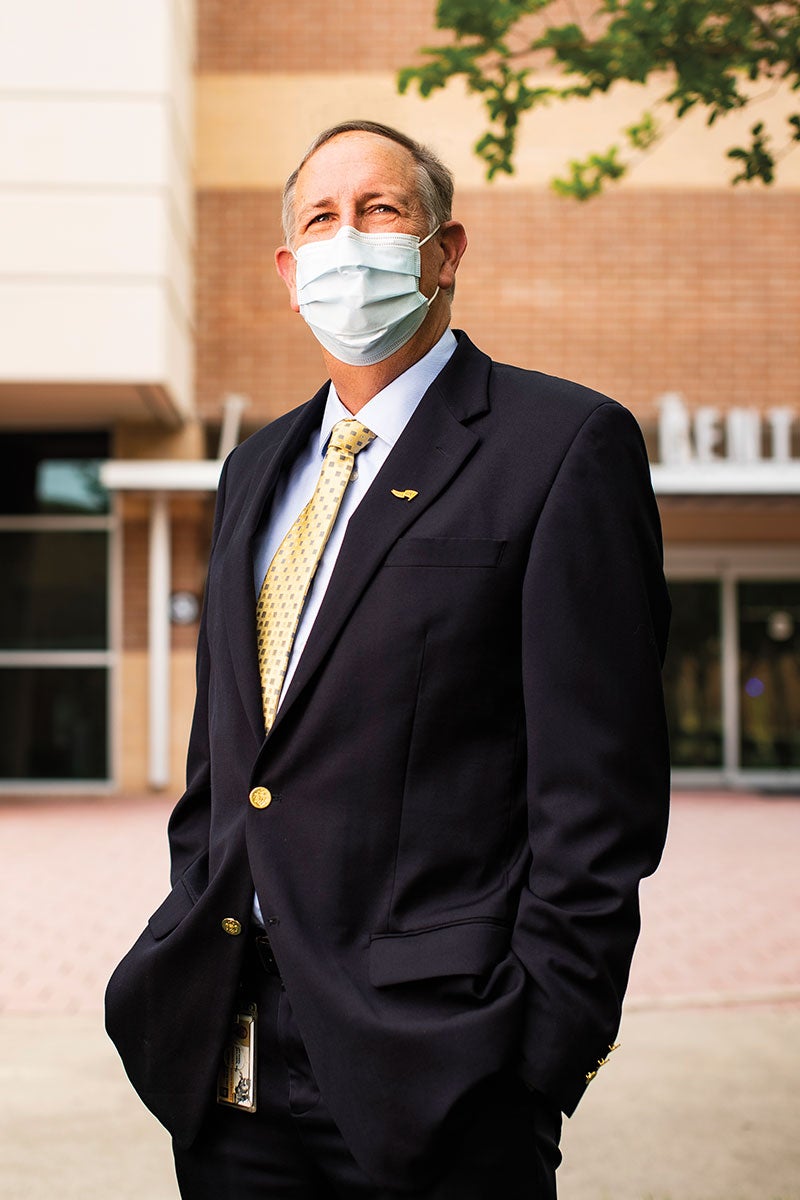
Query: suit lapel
{"type": "Point", "coordinates": [240, 599]}
{"type": "Point", "coordinates": [431, 450]}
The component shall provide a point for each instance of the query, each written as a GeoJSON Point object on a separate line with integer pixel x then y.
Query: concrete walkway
{"type": "Point", "coordinates": [699, 1103]}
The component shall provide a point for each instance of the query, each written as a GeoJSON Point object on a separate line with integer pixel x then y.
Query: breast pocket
{"type": "Point", "coordinates": [446, 552]}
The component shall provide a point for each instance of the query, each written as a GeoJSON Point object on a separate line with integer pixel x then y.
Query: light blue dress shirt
{"type": "Point", "coordinates": [387, 415]}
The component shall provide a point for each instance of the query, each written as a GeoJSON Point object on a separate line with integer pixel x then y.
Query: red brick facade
{"type": "Point", "coordinates": [262, 36]}
{"type": "Point", "coordinates": [315, 35]}
{"type": "Point", "coordinates": [635, 293]}
{"type": "Point", "coordinates": [190, 539]}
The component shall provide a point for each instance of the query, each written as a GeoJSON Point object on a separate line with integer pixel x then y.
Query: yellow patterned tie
{"type": "Point", "coordinates": [288, 578]}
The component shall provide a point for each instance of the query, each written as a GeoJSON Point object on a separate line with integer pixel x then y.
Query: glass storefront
{"type": "Point", "coordinates": [732, 677]}
{"type": "Point", "coordinates": [55, 649]}
{"type": "Point", "coordinates": [53, 589]}
{"type": "Point", "coordinates": [692, 675]}
{"type": "Point", "coordinates": [54, 723]}
{"type": "Point", "coordinates": [769, 674]}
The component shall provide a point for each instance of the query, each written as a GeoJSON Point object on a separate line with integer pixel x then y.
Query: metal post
{"type": "Point", "coordinates": [231, 423]}
{"type": "Point", "coordinates": [159, 639]}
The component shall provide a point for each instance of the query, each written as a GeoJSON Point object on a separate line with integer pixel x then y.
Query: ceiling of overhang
{"type": "Point", "coordinates": [84, 406]}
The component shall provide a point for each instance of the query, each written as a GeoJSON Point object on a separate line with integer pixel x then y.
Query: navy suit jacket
{"type": "Point", "coordinates": [469, 772]}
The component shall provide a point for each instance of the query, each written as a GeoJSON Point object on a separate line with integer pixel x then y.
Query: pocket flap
{"type": "Point", "coordinates": [445, 552]}
{"type": "Point", "coordinates": [464, 948]}
{"type": "Point", "coordinates": [168, 915]}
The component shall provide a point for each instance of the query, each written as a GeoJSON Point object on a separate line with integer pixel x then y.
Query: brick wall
{"type": "Point", "coordinates": [315, 35]}
{"type": "Point", "coordinates": [260, 35]}
{"type": "Point", "coordinates": [635, 293]}
{"type": "Point", "coordinates": [191, 536]}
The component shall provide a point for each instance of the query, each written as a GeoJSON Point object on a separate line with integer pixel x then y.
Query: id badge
{"type": "Point", "coordinates": [236, 1083]}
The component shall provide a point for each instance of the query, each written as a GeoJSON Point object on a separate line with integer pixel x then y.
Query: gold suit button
{"type": "Point", "coordinates": [231, 926]}
{"type": "Point", "coordinates": [260, 797]}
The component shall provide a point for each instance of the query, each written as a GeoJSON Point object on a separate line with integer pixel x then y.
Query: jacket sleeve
{"type": "Point", "coordinates": [595, 619]}
{"type": "Point", "coordinates": [191, 818]}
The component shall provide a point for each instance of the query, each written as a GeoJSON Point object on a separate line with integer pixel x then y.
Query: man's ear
{"type": "Point", "coordinates": [452, 237]}
{"type": "Point", "coordinates": [286, 267]}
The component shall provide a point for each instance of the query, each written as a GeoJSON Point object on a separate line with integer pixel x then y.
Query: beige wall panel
{"type": "Point", "coordinates": [85, 45]}
{"type": "Point", "coordinates": [179, 356]}
{"type": "Point", "coordinates": [84, 234]}
{"type": "Point", "coordinates": [182, 694]}
{"type": "Point", "coordinates": [75, 141]}
{"type": "Point", "coordinates": [95, 333]}
{"type": "Point", "coordinates": [181, 76]}
{"type": "Point", "coordinates": [251, 130]}
{"type": "Point", "coordinates": [96, 200]}
{"type": "Point", "coordinates": [130, 734]}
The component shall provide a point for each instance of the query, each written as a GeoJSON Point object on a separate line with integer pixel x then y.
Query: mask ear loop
{"type": "Point", "coordinates": [421, 244]}
{"type": "Point", "coordinates": [428, 238]}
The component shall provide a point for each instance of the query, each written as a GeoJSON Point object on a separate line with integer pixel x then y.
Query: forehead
{"type": "Point", "coordinates": [356, 162]}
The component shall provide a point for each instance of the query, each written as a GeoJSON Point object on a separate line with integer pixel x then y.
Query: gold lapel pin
{"type": "Point", "coordinates": [406, 495]}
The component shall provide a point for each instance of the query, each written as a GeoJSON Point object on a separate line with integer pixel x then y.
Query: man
{"type": "Point", "coordinates": [437, 588]}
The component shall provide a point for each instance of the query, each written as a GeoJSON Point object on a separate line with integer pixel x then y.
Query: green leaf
{"type": "Point", "coordinates": [706, 49]}
{"type": "Point", "coordinates": [644, 133]}
{"type": "Point", "coordinates": [588, 176]}
{"type": "Point", "coordinates": [757, 160]}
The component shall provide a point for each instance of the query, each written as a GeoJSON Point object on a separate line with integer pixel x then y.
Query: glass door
{"type": "Point", "coordinates": [769, 674]}
{"type": "Point", "coordinates": [732, 673]}
{"type": "Point", "coordinates": [693, 674]}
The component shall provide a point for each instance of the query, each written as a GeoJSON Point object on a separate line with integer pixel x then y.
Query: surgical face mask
{"type": "Point", "coordinates": [359, 293]}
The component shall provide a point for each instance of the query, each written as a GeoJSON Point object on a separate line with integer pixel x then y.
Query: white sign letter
{"type": "Point", "coordinates": [780, 423]}
{"type": "Point", "coordinates": [674, 443]}
{"type": "Point", "coordinates": [743, 429]}
{"type": "Point", "coordinates": [706, 433]}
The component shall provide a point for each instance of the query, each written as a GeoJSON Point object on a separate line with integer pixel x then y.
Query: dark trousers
{"type": "Point", "coordinates": [506, 1147]}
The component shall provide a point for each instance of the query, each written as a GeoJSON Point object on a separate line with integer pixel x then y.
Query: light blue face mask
{"type": "Point", "coordinates": [359, 293]}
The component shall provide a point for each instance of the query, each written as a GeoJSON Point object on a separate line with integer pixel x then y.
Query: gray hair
{"type": "Point", "coordinates": [434, 181]}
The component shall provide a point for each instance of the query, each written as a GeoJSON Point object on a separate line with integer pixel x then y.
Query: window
{"type": "Point", "coordinates": [769, 674]}
{"type": "Point", "coordinates": [692, 674]}
{"type": "Point", "coordinates": [55, 656]}
{"type": "Point", "coordinates": [732, 674]}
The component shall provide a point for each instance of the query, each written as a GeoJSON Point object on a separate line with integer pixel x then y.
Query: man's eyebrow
{"type": "Point", "coordinates": [316, 205]}
{"type": "Point", "coordinates": [327, 202]}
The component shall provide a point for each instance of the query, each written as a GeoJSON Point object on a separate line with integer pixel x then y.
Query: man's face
{"type": "Point", "coordinates": [361, 180]}
{"type": "Point", "coordinates": [367, 182]}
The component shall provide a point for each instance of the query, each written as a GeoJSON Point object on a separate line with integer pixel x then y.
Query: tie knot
{"type": "Point", "coordinates": [350, 436]}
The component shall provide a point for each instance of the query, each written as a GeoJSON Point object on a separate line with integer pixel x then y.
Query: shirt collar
{"type": "Point", "coordinates": [388, 412]}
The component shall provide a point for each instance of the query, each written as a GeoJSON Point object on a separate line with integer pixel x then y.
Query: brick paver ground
{"type": "Point", "coordinates": [699, 1104]}
{"type": "Point", "coordinates": [720, 918]}
{"type": "Point", "coordinates": [79, 878]}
